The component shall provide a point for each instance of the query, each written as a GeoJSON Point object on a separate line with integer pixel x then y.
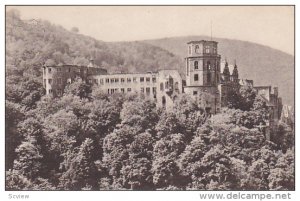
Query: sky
{"type": "Point", "coordinates": [267, 25]}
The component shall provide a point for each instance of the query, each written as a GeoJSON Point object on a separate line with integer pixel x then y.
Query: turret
{"type": "Point", "coordinates": [235, 73]}
{"type": "Point", "coordinates": [226, 73]}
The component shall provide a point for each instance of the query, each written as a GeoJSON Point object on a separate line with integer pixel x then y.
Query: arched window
{"type": "Point", "coordinates": [196, 64]}
{"type": "Point", "coordinates": [208, 65]}
{"type": "Point", "coordinates": [197, 49]}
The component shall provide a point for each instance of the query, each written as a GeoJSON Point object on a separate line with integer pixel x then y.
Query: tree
{"type": "Point", "coordinates": [82, 171]}
{"type": "Point", "coordinates": [28, 161]}
{"type": "Point", "coordinates": [13, 115]}
{"type": "Point", "coordinates": [282, 176]}
{"type": "Point", "coordinates": [165, 169]}
{"type": "Point", "coordinates": [79, 88]}
{"type": "Point", "coordinates": [214, 171]}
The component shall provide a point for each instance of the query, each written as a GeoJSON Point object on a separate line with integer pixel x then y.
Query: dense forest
{"type": "Point", "coordinates": [87, 140]}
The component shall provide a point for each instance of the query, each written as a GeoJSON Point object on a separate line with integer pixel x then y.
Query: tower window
{"type": "Point", "coordinates": [196, 77]}
{"type": "Point", "coordinates": [196, 64]}
{"type": "Point", "coordinates": [208, 77]}
{"type": "Point", "coordinates": [208, 65]}
{"type": "Point", "coordinates": [197, 49]}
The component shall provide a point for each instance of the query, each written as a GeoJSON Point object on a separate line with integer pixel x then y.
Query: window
{"type": "Point", "coordinates": [58, 69]}
{"type": "Point", "coordinates": [116, 80]}
{"type": "Point", "coordinates": [112, 91]}
{"type": "Point", "coordinates": [154, 90]}
{"type": "Point", "coordinates": [69, 69]}
{"type": "Point", "coordinates": [197, 49]}
{"type": "Point", "coordinates": [142, 79]}
{"type": "Point", "coordinates": [142, 89]}
{"type": "Point", "coordinates": [122, 80]}
{"type": "Point", "coordinates": [129, 89]}
{"type": "Point", "coordinates": [129, 79]}
{"type": "Point", "coordinates": [107, 80]}
{"type": "Point", "coordinates": [208, 65]}
{"type": "Point", "coordinates": [196, 77]}
{"type": "Point", "coordinates": [176, 87]}
{"type": "Point", "coordinates": [154, 79]}
{"type": "Point", "coordinates": [196, 64]}
{"type": "Point", "coordinates": [147, 79]}
{"type": "Point", "coordinates": [96, 81]}
{"type": "Point", "coordinates": [148, 91]}
{"type": "Point", "coordinates": [116, 90]}
{"type": "Point", "coordinates": [162, 86]}
{"type": "Point", "coordinates": [122, 90]}
{"type": "Point", "coordinates": [187, 69]}
{"type": "Point", "coordinates": [134, 79]}
{"type": "Point", "coordinates": [163, 101]}
{"type": "Point", "coordinates": [101, 81]}
{"type": "Point", "coordinates": [208, 77]}
{"type": "Point", "coordinates": [50, 81]}
{"type": "Point", "coordinates": [112, 80]}
{"type": "Point", "coordinates": [195, 93]}
{"type": "Point", "coordinates": [59, 92]}
{"type": "Point", "coordinates": [108, 91]}
{"type": "Point", "coordinates": [207, 49]}
{"type": "Point", "coordinates": [49, 70]}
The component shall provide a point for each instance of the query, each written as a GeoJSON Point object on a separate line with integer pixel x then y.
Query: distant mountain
{"type": "Point", "coordinates": [265, 65]}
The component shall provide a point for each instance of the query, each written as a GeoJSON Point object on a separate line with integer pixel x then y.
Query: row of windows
{"type": "Point", "coordinates": [123, 80]}
{"type": "Point", "coordinates": [208, 64]}
{"type": "Point", "coordinates": [123, 90]}
{"type": "Point", "coordinates": [69, 70]}
{"type": "Point", "coordinates": [50, 81]}
{"type": "Point", "coordinates": [206, 49]}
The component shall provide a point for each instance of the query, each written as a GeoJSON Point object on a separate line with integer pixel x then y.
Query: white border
{"type": "Point", "coordinates": [124, 195]}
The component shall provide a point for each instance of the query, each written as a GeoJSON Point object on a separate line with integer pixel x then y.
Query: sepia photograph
{"type": "Point", "coordinates": [149, 98]}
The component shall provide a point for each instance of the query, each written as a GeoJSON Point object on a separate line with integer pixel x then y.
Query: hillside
{"type": "Point", "coordinates": [266, 66]}
{"type": "Point", "coordinates": [30, 44]}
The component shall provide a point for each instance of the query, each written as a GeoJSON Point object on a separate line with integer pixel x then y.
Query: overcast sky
{"type": "Point", "coordinates": [267, 25]}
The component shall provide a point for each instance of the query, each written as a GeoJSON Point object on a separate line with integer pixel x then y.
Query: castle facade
{"type": "Point", "coordinates": [207, 78]}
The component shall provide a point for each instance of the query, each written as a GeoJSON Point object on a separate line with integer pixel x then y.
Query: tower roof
{"type": "Point", "coordinates": [201, 41]}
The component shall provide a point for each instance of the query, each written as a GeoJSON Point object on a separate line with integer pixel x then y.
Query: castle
{"type": "Point", "coordinates": [206, 78]}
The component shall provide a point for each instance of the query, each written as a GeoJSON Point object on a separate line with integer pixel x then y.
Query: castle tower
{"type": "Point", "coordinates": [203, 71]}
